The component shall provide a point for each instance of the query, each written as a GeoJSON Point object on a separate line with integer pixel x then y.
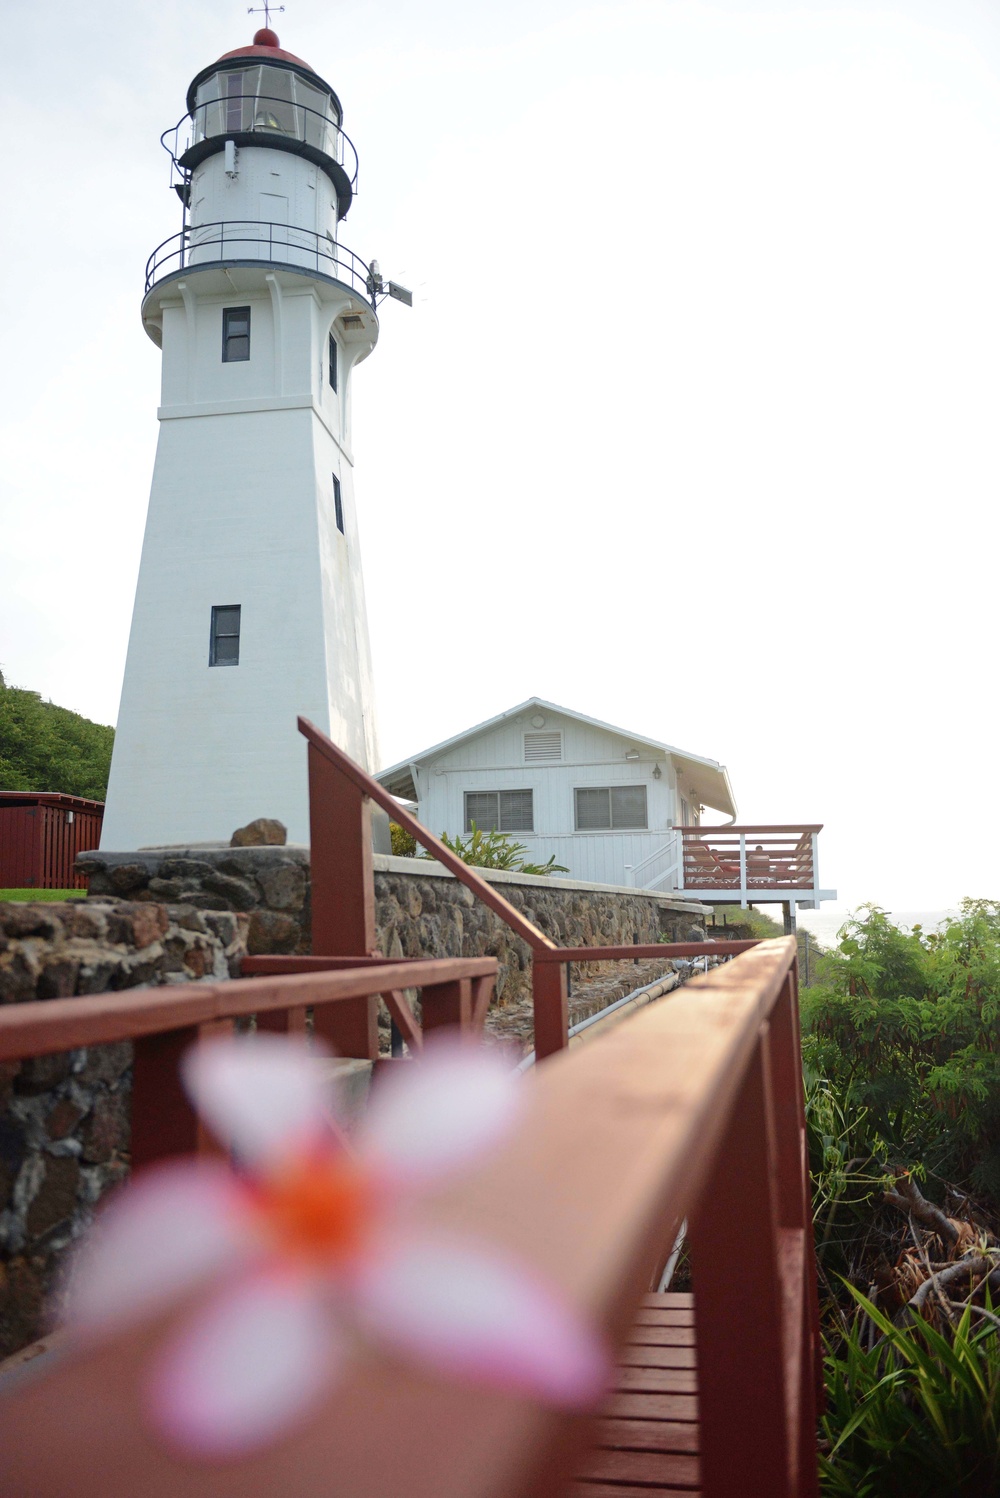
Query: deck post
{"type": "Point", "coordinates": [743, 871]}
{"type": "Point", "coordinates": [745, 1441]}
{"type": "Point", "coordinates": [164, 1123]}
{"type": "Point", "coordinates": [550, 997]}
{"type": "Point", "coordinates": [446, 1004]}
{"type": "Point", "coordinates": [343, 898]}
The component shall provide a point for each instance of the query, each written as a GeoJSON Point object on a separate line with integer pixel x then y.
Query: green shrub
{"type": "Point", "coordinates": [404, 844]}
{"type": "Point", "coordinates": [904, 1029]}
{"type": "Point", "coordinates": [496, 850]}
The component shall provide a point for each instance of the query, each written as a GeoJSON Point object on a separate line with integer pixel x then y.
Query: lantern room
{"type": "Point", "coordinates": [259, 96]}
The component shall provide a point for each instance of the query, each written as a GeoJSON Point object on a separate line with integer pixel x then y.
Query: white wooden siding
{"type": "Point", "coordinates": [494, 761]}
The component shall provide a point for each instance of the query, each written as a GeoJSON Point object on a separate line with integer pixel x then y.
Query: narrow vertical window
{"type": "Point", "coordinates": [338, 504]}
{"type": "Point", "coordinates": [333, 362]}
{"type": "Point", "coordinates": [235, 334]}
{"type": "Point", "coordinates": [224, 645]}
{"type": "Point", "coordinates": [234, 101]}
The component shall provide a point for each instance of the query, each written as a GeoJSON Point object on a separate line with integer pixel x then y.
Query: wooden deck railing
{"type": "Point", "coordinates": [691, 1110]}
{"type": "Point", "coordinates": [749, 860]}
{"type": "Point", "coordinates": [163, 1022]}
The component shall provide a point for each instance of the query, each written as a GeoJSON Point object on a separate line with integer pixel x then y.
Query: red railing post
{"type": "Point", "coordinates": [550, 998]}
{"type": "Point", "coordinates": [795, 1218]}
{"type": "Point", "coordinates": [446, 1004]}
{"type": "Point", "coordinates": [742, 1387]}
{"type": "Point", "coordinates": [163, 1121]}
{"type": "Point", "coordinates": [343, 897]}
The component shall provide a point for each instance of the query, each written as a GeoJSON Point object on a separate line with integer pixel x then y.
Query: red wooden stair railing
{"type": "Point", "coordinates": [692, 1109]}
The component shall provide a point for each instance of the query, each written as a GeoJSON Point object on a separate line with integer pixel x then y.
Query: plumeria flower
{"type": "Point", "coordinates": [306, 1246]}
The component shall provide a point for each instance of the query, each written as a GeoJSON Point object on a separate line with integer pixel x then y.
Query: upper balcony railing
{"type": "Point", "coordinates": [200, 245]}
{"type": "Point", "coordinates": [266, 115]}
{"type": "Point", "coordinates": [750, 861]}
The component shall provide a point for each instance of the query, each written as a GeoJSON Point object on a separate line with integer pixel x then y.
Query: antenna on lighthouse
{"type": "Point", "coordinates": [377, 287]}
{"type": "Point", "coordinates": [265, 9]}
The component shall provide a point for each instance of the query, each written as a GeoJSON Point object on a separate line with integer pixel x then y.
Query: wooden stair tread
{"type": "Point", "coordinates": [615, 1434]}
{"type": "Point", "coordinates": [649, 1469]}
{"type": "Point", "coordinates": [641, 1406]}
{"type": "Point", "coordinates": [656, 1381]}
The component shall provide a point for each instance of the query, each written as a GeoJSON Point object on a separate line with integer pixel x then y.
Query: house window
{"type": "Point", "coordinates": [607, 808]}
{"type": "Point", "coordinates": [224, 645]}
{"type": "Point", "coordinates": [499, 811]}
{"type": "Point", "coordinates": [235, 334]}
{"type": "Point", "coordinates": [542, 746]}
{"type": "Point", "coordinates": [333, 362]}
{"type": "Point", "coordinates": [338, 504]}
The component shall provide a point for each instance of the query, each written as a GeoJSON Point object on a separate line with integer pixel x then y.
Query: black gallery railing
{"type": "Point", "coordinates": [200, 245]}
{"type": "Point", "coordinates": [264, 115]}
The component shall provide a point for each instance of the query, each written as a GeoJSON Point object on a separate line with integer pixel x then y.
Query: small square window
{"type": "Point", "coordinates": [224, 644]}
{"type": "Point", "coordinates": [235, 334]}
{"type": "Point", "coordinates": [338, 504]}
{"type": "Point", "coordinates": [334, 352]}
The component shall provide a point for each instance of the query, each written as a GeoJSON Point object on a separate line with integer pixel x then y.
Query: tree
{"type": "Point", "coordinates": [48, 748]}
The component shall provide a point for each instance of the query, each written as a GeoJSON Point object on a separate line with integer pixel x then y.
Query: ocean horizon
{"type": "Point", "coordinates": [824, 925]}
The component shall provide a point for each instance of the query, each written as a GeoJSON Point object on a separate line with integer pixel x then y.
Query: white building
{"type": "Point", "coordinates": [613, 807]}
{"type": "Point", "coordinates": [603, 800]}
{"type": "Point", "coordinates": [249, 607]}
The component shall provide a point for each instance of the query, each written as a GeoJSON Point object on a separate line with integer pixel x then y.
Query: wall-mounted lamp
{"type": "Point", "coordinates": [657, 772]}
{"type": "Point", "coordinates": [631, 754]}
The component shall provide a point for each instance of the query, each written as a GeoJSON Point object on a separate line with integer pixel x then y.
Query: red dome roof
{"type": "Point", "coordinates": [266, 46]}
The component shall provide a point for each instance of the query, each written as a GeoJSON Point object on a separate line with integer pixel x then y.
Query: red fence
{"type": "Point", "coordinates": [40, 837]}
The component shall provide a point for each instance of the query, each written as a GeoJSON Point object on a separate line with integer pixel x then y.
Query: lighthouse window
{"type": "Point", "coordinates": [224, 646]}
{"type": "Point", "coordinates": [338, 504]}
{"type": "Point", "coordinates": [235, 334]}
{"type": "Point", "coordinates": [333, 362]}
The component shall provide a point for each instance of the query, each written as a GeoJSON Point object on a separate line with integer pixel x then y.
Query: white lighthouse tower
{"type": "Point", "coordinates": [249, 607]}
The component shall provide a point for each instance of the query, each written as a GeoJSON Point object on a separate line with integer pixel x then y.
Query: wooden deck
{"type": "Point", "coordinates": [648, 1440]}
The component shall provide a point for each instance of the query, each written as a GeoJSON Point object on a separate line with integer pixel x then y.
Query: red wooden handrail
{"type": "Point", "coordinates": [690, 1109]}
{"type": "Point", "coordinates": [164, 1022]}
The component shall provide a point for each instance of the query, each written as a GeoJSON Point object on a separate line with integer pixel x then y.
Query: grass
{"type": "Point", "coordinates": [43, 894]}
{"type": "Point", "coordinates": [917, 1414]}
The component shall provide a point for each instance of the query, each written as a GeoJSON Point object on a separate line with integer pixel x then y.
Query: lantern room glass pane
{"type": "Point", "coordinates": [270, 100]}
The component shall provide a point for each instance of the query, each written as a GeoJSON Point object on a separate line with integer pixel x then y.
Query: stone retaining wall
{"type": "Point", "coordinates": [65, 1119]}
{"type": "Point", "coordinates": [421, 909]}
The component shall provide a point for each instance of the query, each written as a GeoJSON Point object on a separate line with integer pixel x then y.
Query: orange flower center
{"type": "Point", "coordinates": [317, 1207]}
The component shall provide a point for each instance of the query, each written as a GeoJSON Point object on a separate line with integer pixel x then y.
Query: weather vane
{"type": "Point", "coordinates": [255, 10]}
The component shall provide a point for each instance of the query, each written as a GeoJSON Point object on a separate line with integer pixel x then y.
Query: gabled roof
{"type": "Point", "coordinates": [705, 779]}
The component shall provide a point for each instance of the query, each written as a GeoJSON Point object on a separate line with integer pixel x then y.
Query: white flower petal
{"type": "Point", "coordinates": [429, 1116]}
{"type": "Point", "coordinates": [263, 1095]}
{"type": "Point", "coordinates": [470, 1313]}
{"type": "Point", "coordinates": [251, 1362]}
{"type": "Point", "coordinates": [164, 1232]}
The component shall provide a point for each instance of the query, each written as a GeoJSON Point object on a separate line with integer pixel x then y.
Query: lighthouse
{"type": "Point", "coordinates": [249, 606]}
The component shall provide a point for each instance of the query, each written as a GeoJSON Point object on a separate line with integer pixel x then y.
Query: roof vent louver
{"type": "Point", "coordinates": [542, 746]}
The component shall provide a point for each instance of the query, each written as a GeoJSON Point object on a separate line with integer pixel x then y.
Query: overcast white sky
{"type": "Point", "coordinates": [692, 426]}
